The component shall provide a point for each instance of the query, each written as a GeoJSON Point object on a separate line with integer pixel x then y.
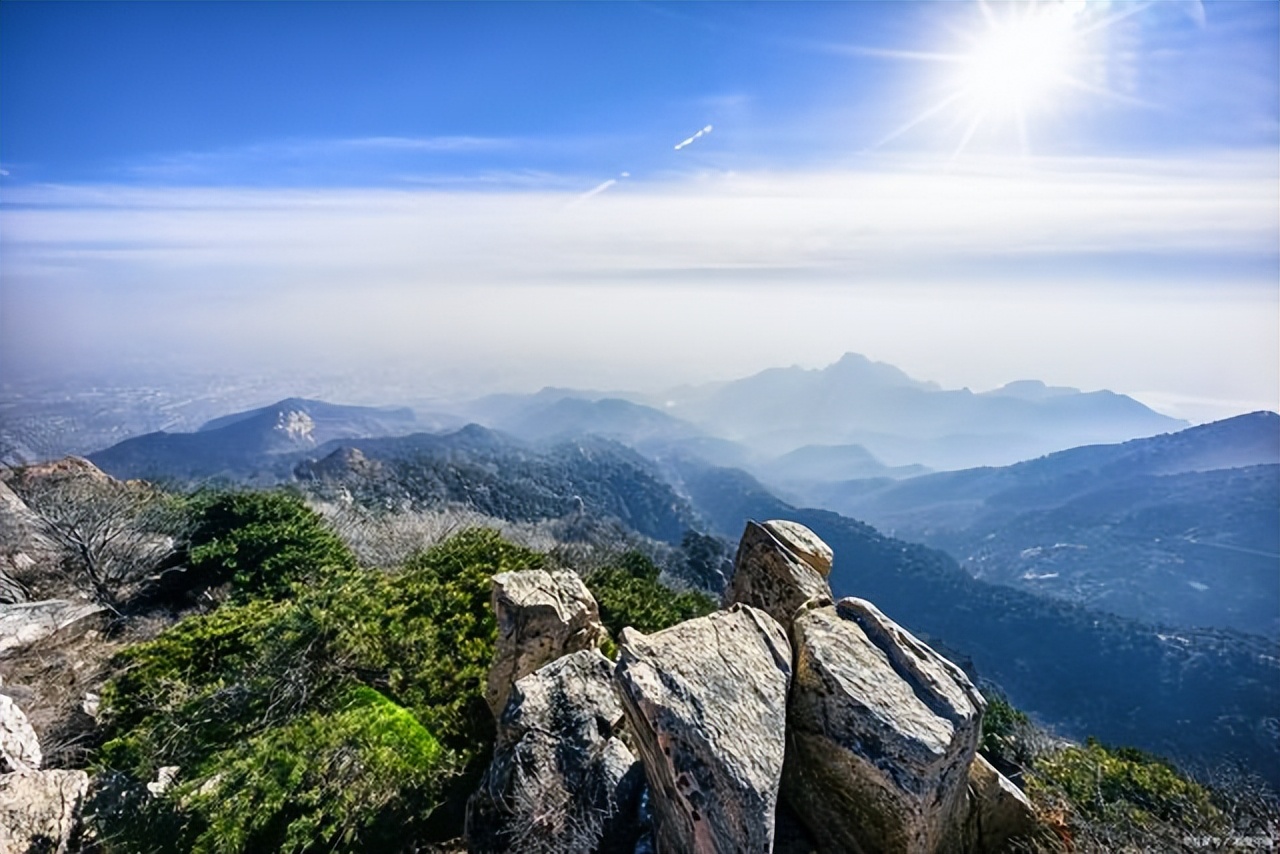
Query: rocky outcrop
{"type": "Point", "coordinates": [561, 778]}
{"type": "Point", "coordinates": [24, 623]}
{"type": "Point", "coordinates": [541, 616]}
{"type": "Point", "coordinates": [881, 733]}
{"type": "Point", "coordinates": [786, 723]}
{"type": "Point", "coordinates": [706, 702]}
{"type": "Point", "coordinates": [40, 810]}
{"type": "Point", "coordinates": [1000, 816]}
{"type": "Point", "coordinates": [804, 543]}
{"type": "Point", "coordinates": [19, 746]}
{"type": "Point", "coordinates": [777, 569]}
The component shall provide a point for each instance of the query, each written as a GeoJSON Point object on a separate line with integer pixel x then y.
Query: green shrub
{"type": "Point", "coordinates": [262, 542]}
{"type": "Point", "coordinates": [321, 722]}
{"type": "Point", "coordinates": [358, 778]}
{"type": "Point", "coordinates": [1122, 785]}
{"type": "Point", "coordinates": [1003, 730]}
{"type": "Point", "coordinates": [629, 594]}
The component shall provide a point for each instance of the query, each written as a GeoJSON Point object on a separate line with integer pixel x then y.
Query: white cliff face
{"type": "Point", "coordinates": [298, 426]}
{"type": "Point", "coordinates": [881, 732]}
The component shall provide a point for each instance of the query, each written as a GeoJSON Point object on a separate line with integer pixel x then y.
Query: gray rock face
{"type": "Point", "coordinates": [561, 779]}
{"type": "Point", "coordinates": [25, 623]}
{"type": "Point", "coordinates": [769, 573]}
{"type": "Point", "coordinates": [805, 543]}
{"type": "Point", "coordinates": [1000, 816]}
{"type": "Point", "coordinates": [40, 810]}
{"type": "Point", "coordinates": [541, 616]}
{"type": "Point", "coordinates": [706, 700]}
{"type": "Point", "coordinates": [881, 733]}
{"type": "Point", "coordinates": [19, 746]}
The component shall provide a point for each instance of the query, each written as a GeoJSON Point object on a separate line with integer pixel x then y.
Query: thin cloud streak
{"type": "Point", "coordinates": [896, 223]}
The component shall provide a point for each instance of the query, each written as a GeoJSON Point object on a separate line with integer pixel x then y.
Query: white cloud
{"type": "Point", "coordinates": [972, 276]}
{"type": "Point", "coordinates": [903, 224]}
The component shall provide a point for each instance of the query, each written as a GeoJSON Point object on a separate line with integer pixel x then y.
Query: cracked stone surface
{"type": "Point", "coordinates": [881, 733]}
{"type": "Point", "coordinates": [25, 623]}
{"type": "Point", "coordinates": [805, 543]}
{"type": "Point", "coordinates": [19, 746]}
{"type": "Point", "coordinates": [561, 778]}
{"type": "Point", "coordinates": [541, 617]}
{"type": "Point", "coordinates": [772, 575]}
{"type": "Point", "coordinates": [706, 700]}
{"type": "Point", "coordinates": [40, 810]}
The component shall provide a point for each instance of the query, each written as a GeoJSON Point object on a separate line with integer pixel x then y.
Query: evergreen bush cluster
{"type": "Point", "coordinates": [629, 594]}
{"type": "Point", "coordinates": [324, 708]}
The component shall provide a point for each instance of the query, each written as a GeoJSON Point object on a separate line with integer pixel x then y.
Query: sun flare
{"type": "Point", "coordinates": [1018, 63]}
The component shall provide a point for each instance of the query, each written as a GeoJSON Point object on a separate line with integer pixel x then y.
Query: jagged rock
{"type": "Point", "coordinates": [19, 746]}
{"type": "Point", "coordinates": [805, 543]}
{"type": "Point", "coordinates": [541, 616]}
{"type": "Point", "coordinates": [881, 731]}
{"type": "Point", "coordinates": [706, 701]}
{"type": "Point", "coordinates": [25, 623]}
{"type": "Point", "coordinates": [561, 778]}
{"type": "Point", "coordinates": [1000, 816]}
{"type": "Point", "coordinates": [771, 575]}
{"type": "Point", "coordinates": [40, 810]}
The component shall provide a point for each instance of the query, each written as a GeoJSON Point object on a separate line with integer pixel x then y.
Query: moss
{"type": "Point", "coordinates": [368, 774]}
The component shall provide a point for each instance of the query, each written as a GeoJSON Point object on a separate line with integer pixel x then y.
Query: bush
{"type": "Point", "coordinates": [365, 773]}
{"type": "Point", "coordinates": [337, 720]}
{"type": "Point", "coordinates": [262, 542]}
{"type": "Point", "coordinates": [1108, 783]}
{"type": "Point", "coordinates": [629, 594]}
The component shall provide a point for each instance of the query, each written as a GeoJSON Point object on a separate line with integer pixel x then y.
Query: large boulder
{"type": "Point", "coordinates": [561, 779]}
{"type": "Point", "coordinates": [19, 746]}
{"type": "Point", "coordinates": [779, 567]}
{"type": "Point", "coordinates": [706, 701]}
{"type": "Point", "coordinates": [881, 731]}
{"type": "Point", "coordinates": [541, 616]}
{"type": "Point", "coordinates": [40, 810]}
{"type": "Point", "coordinates": [23, 624]}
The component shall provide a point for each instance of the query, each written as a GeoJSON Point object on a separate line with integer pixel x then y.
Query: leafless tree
{"type": "Point", "coordinates": [113, 536]}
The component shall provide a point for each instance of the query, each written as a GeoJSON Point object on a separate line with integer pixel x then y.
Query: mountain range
{"type": "Point", "coordinates": [1181, 529]}
{"type": "Point", "coordinates": [904, 421]}
{"type": "Point", "coordinates": [1200, 696]}
{"type": "Point", "coordinates": [1194, 693]}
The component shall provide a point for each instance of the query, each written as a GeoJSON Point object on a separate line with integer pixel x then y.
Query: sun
{"type": "Point", "coordinates": [1020, 61]}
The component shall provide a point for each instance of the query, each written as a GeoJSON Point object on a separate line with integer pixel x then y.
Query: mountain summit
{"type": "Point", "coordinates": [902, 420]}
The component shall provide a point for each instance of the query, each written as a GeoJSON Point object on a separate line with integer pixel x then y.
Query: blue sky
{"type": "Point", "coordinates": [910, 180]}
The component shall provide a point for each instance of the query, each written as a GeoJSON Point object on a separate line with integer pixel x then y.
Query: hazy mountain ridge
{"type": "Point", "coordinates": [1181, 528]}
{"type": "Point", "coordinates": [504, 477]}
{"type": "Point", "coordinates": [483, 469]}
{"type": "Point", "coordinates": [906, 421]}
{"type": "Point", "coordinates": [244, 443]}
{"type": "Point", "coordinates": [1195, 695]}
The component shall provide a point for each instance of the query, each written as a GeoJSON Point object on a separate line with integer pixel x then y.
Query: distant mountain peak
{"type": "Point", "coordinates": [1032, 390]}
{"type": "Point", "coordinates": [858, 368]}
